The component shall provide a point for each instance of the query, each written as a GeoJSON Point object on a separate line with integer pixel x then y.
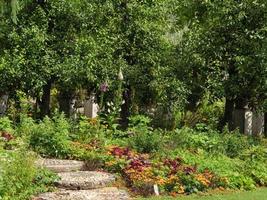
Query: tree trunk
{"type": "Point", "coordinates": [228, 114]}
{"type": "Point", "coordinates": [194, 99]}
{"type": "Point", "coordinates": [229, 103]}
{"type": "Point", "coordinates": [45, 100]}
{"type": "Point", "coordinates": [64, 100]}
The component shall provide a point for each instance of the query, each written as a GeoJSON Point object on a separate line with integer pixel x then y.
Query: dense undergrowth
{"type": "Point", "coordinates": [183, 161]}
{"type": "Point", "coordinates": [19, 177]}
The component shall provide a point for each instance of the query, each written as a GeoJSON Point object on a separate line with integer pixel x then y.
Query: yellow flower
{"type": "Point", "coordinates": [93, 121]}
{"type": "Point", "coordinates": [161, 181]}
{"type": "Point", "coordinates": [181, 190]}
{"type": "Point", "coordinates": [225, 180]}
{"type": "Point", "coordinates": [203, 180]}
{"type": "Point", "coordinates": [110, 163]}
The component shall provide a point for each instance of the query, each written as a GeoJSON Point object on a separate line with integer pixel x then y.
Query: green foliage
{"type": "Point", "coordinates": [146, 142]}
{"type": "Point", "coordinates": [231, 144]}
{"type": "Point", "coordinates": [110, 116]}
{"type": "Point", "coordinates": [183, 161]}
{"type": "Point", "coordinates": [234, 144]}
{"type": "Point", "coordinates": [181, 61]}
{"type": "Point", "coordinates": [241, 159]}
{"type": "Point", "coordinates": [207, 114]}
{"type": "Point", "coordinates": [20, 179]}
{"type": "Point", "coordinates": [86, 129]}
{"type": "Point", "coordinates": [44, 181]}
{"type": "Point", "coordinates": [20, 171]}
{"type": "Point", "coordinates": [138, 122]}
{"type": "Point", "coordinates": [6, 125]}
{"type": "Point", "coordinates": [225, 44]}
{"type": "Point", "coordinates": [25, 127]}
{"type": "Point", "coordinates": [88, 47]}
{"type": "Point", "coordinates": [211, 112]}
{"type": "Point", "coordinates": [50, 137]}
{"type": "Point", "coordinates": [141, 137]}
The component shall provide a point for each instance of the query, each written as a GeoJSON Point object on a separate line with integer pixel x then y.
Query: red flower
{"type": "Point", "coordinates": [174, 164]}
{"type": "Point", "coordinates": [190, 170]}
{"type": "Point", "coordinates": [118, 151]}
{"type": "Point", "coordinates": [7, 136]}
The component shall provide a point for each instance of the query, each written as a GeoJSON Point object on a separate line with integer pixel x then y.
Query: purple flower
{"type": "Point", "coordinates": [104, 87]}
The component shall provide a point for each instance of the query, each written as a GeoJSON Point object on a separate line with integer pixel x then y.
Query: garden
{"type": "Point", "coordinates": [180, 162]}
{"type": "Point", "coordinates": [169, 96]}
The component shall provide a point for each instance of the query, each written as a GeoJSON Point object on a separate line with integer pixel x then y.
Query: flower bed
{"type": "Point", "coordinates": [141, 172]}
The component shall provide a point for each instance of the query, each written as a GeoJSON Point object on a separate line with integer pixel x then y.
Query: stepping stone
{"type": "Point", "coordinates": [111, 193]}
{"type": "Point", "coordinates": [56, 165]}
{"type": "Point", "coordinates": [84, 180]}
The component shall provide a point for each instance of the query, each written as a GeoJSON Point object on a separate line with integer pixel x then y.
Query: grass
{"type": "Point", "coordinates": [259, 194]}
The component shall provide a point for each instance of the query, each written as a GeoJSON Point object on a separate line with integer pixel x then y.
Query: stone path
{"type": "Point", "coordinates": [78, 184]}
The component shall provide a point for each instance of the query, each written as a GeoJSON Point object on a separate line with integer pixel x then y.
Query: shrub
{"type": "Point", "coordinates": [240, 181]}
{"type": "Point", "coordinates": [51, 137]}
{"type": "Point", "coordinates": [87, 129]}
{"type": "Point", "coordinates": [6, 125]}
{"type": "Point", "coordinates": [139, 122]}
{"type": "Point", "coordinates": [207, 113]}
{"type": "Point", "coordinates": [255, 164]}
{"type": "Point", "coordinates": [19, 179]}
{"type": "Point", "coordinates": [92, 155]}
{"type": "Point", "coordinates": [188, 138]}
{"type": "Point", "coordinates": [146, 142]}
{"type": "Point", "coordinates": [24, 128]}
{"type": "Point", "coordinates": [235, 144]}
{"type": "Point", "coordinates": [231, 144]}
{"type": "Point", "coordinates": [143, 139]}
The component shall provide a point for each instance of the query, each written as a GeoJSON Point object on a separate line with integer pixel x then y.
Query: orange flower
{"type": "Point", "coordinates": [221, 188]}
{"type": "Point", "coordinates": [174, 194]}
{"type": "Point", "coordinates": [203, 180]}
{"type": "Point", "coordinates": [172, 179]}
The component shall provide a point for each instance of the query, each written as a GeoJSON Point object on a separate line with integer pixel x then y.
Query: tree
{"type": "Point", "coordinates": [61, 44]}
{"type": "Point", "coordinates": [232, 43]}
{"type": "Point", "coordinates": [36, 45]}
